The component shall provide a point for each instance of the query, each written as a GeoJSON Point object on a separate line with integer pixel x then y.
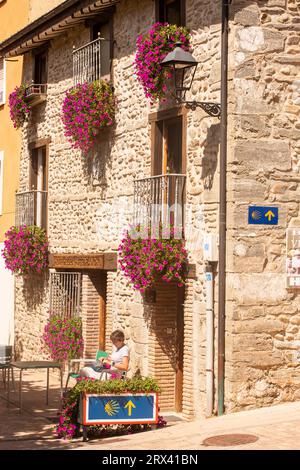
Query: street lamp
{"type": "Point", "coordinates": [183, 66]}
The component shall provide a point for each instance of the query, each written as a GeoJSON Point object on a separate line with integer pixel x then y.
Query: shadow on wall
{"type": "Point", "coordinates": [98, 163]}
{"type": "Point", "coordinates": [37, 115]}
{"type": "Point", "coordinates": [35, 289]}
{"type": "Point", "coordinates": [210, 155]}
{"type": "Point", "coordinates": [18, 348]}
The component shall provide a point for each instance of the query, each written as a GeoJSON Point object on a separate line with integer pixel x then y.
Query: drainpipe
{"type": "Point", "coordinates": [222, 208]}
{"type": "Point", "coordinates": [209, 276]}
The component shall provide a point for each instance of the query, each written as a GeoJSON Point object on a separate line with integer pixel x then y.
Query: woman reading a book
{"type": "Point", "coordinates": [117, 361]}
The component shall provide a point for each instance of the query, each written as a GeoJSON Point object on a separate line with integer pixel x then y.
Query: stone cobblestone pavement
{"type": "Point", "coordinates": [277, 427]}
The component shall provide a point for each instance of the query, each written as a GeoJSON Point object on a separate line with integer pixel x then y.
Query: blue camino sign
{"type": "Point", "coordinates": [118, 409]}
{"type": "Point", "coordinates": [263, 215]}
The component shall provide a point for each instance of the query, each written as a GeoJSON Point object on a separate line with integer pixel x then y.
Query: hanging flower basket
{"type": "Point", "coordinates": [152, 48]}
{"type": "Point", "coordinates": [63, 338]}
{"type": "Point", "coordinates": [26, 250]}
{"type": "Point", "coordinates": [19, 109]}
{"type": "Point", "coordinates": [87, 108]}
{"type": "Point", "coordinates": [145, 260]}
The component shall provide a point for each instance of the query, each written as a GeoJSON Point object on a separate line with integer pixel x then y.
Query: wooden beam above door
{"type": "Point", "coordinates": [106, 261]}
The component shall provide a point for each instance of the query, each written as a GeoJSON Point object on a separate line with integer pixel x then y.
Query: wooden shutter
{"type": "Point", "coordinates": [1, 179]}
{"type": "Point", "coordinates": [157, 148]}
{"type": "Point", "coordinates": [2, 81]}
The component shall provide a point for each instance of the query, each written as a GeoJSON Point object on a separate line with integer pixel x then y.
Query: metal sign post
{"type": "Point", "coordinates": [293, 257]}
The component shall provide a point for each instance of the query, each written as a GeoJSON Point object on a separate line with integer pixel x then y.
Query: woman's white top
{"type": "Point", "coordinates": [117, 356]}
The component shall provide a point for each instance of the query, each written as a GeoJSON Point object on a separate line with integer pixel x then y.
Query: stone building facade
{"type": "Point", "coordinates": [88, 197]}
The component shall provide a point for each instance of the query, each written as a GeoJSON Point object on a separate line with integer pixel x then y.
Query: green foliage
{"type": "Point", "coordinates": [135, 385]}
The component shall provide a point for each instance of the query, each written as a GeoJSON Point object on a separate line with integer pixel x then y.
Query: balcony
{"type": "Point", "coordinates": [160, 200]}
{"type": "Point", "coordinates": [90, 60]}
{"type": "Point", "coordinates": [31, 208]}
{"type": "Point", "coordinates": [36, 93]}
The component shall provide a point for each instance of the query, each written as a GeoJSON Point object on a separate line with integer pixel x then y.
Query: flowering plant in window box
{"type": "Point", "coordinates": [144, 259]}
{"type": "Point", "coordinates": [152, 48]}
{"type": "Point", "coordinates": [68, 426]}
{"type": "Point", "coordinates": [19, 108]}
{"type": "Point", "coordinates": [26, 250]}
{"type": "Point", "coordinates": [63, 337]}
{"type": "Point", "coordinates": [87, 108]}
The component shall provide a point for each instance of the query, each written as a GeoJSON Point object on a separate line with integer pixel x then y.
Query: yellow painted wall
{"type": "Point", "coordinates": [38, 8]}
{"type": "Point", "coordinates": [12, 19]}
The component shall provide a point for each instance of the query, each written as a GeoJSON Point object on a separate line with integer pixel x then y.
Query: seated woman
{"type": "Point", "coordinates": [117, 362]}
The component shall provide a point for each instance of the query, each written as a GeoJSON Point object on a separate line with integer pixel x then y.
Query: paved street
{"type": "Point", "coordinates": [276, 427]}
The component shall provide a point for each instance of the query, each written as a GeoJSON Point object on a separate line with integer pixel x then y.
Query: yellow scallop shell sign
{"type": "Point", "coordinates": [112, 408]}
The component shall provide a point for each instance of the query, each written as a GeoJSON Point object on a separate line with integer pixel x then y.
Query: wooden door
{"type": "Point", "coordinates": [168, 161]}
{"type": "Point", "coordinates": [168, 141]}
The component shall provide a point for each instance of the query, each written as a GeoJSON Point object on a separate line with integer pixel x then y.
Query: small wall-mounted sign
{"type": "Point", "coordinates": [140, 408]}
{"type": "Point", "coordinates": [293, 257]}
{"type": "Point", "coordinates": [263, 215]}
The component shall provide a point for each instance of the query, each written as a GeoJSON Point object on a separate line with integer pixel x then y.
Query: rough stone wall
{"type": "Point", "coordinates": [31, 313]}
{"type": "Point", "coordinates": [263, 317]}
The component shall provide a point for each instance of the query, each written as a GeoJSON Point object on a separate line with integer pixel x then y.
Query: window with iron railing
{"type": "Point", "coordinates": [31, 205]}
{"type": "Point", "coordinates": [93, 61]}
{"type": "Point", "coordinates": [31, 208]}
{"type": "Point", "coordinates": [159, 200]}
{"type": "Point", "coordinates": [65, 294]}
{"type": "Point", "coordinates": [36, 92]}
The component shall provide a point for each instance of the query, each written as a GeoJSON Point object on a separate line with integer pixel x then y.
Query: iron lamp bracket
{"type": "Point", "coordinates": [212, 109]}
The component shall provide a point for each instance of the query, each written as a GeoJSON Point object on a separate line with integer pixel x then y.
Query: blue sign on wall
{"type": "Point", "coordinates": [118, 409]}
{"type": "Point", "coordinates": [262, 215]}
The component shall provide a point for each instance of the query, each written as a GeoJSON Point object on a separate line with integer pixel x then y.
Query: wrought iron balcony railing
{"type": "Point", "coordinates": [31, 208]}
{"type": "Point", "coordinates": [160, 200]}
{"type": "Point", "coordinates": [87, 65]}
{"type": "Point", "coordinates": [36, 93]}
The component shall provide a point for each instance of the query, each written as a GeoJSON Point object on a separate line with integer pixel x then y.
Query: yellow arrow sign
{"type": "Point", "coordinates": [130, 405]}
{"type": "Point", "coordinates": [270, 215]}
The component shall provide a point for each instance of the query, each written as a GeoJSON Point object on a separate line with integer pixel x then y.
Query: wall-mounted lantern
{"type": "Point", "coordinates": [183, 66]}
